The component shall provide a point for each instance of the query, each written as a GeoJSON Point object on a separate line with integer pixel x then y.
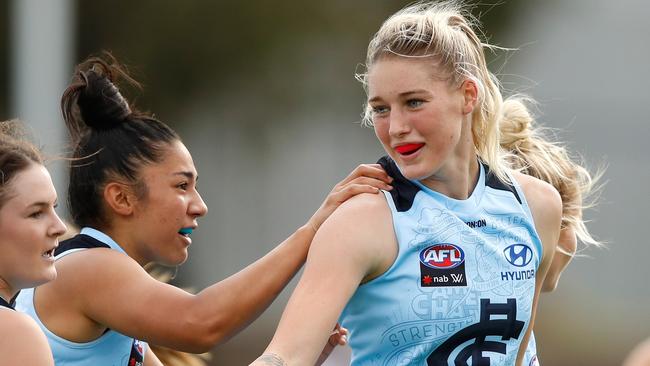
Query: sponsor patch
{"type": "Point", "coordinates": [442, 265]}
{"type": "Point", "coordinates": [519, 255]}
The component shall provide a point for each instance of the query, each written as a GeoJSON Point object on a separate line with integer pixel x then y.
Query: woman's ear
{"type": "Point", "coordinates": [119, 197]}
{"type": "Point", "coordinates": [470, 95]}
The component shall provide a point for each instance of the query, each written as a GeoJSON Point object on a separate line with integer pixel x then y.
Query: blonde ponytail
{"type": "Point", "coordinates": [529, 149]}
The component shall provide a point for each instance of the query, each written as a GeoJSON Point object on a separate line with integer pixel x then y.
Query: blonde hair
{"type": "Point", "coordinates": [502, 130]}
{"type": "Point", "coordinates": [443, 32]}
{"type": "Point", "coordinates": [532, 152]}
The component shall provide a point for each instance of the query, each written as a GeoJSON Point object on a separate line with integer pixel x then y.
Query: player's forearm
{"type": "Point", "coordinates": [233, 303]}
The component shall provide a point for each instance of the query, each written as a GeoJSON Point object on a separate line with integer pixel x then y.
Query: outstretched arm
{"type": "Point", "coordinates": [117, 293]}
{"type": "Point", "coordinates": [353, 244]}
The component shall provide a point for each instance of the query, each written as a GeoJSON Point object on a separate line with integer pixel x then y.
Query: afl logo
{"type": "Point", "coordinates": [442, 256]}
{"type": "Point", "coordinates": [519, 255]}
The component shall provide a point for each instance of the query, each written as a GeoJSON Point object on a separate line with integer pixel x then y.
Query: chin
{"type": "Point", "coordinates": [175, 260]}
{"type": "Point", "coordinates": [47, 275]}
{"type": "Point", "coordinates": [414, 172]}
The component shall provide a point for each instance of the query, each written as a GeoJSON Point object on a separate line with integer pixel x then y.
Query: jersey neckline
{"type": "Point", "coordinates": [468, 204]}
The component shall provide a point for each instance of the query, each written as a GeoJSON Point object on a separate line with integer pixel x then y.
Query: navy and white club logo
{"type": "Point", "coordinates": [519, 255]}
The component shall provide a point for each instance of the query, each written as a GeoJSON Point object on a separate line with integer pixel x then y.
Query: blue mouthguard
{"type": "Point", "coordinates": [186, 230]}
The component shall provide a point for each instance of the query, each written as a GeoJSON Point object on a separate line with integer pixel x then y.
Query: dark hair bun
{"type": "Point", "coordinates": [100, 103]}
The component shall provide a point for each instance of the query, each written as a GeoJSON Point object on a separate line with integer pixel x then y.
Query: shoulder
{"type": "Point", "coordinates": [359, 211]}
{"type": "Point", "coordinates": [84, 274]}
{"type": "Point", "coordinates": [96, 262]}
{"type": "Point", "coordinates": [359, 234]}
{"type": "Point", "coordinates": [22, 341]}
{"type": "Point", "coordinates": [543, 199]}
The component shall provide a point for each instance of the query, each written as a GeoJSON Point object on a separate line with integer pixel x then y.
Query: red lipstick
{"type": "Point", "coordinates": [408, 149]}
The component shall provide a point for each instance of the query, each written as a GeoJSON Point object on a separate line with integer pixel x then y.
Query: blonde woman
{"type": "Point", "coordinates": [447, 268]}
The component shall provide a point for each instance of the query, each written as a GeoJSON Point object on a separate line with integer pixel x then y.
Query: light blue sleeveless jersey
{"type": "Point", "coordinates": [461, 289]}
{"type": "Point", "coordinates": [112, 348]}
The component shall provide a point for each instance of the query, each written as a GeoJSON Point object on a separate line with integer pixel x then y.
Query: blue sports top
{"type": "Point", "coordinates": [111, 348]}
{"type": "Point", "coordinates": [461, 289]}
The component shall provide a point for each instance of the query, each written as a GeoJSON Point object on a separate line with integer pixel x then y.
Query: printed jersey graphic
{"type": "Point", "coordinates": [476, 352]}
{"type": "Point", "coordinates": [518, 255]}
{"type": "Point", "coordinates": [461, 289]}
{"type": "Point", "coordinates": [137, 354]}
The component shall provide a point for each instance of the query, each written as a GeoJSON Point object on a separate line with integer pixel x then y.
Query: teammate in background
{"type": "Point", "coordinates": [29, 231]}
{"type": "Point", "coordinates": [133, 193]}
{"type": "Point", "coordinates": [534, 154]}
{"type": "Point", "coordinates": [446, 268]}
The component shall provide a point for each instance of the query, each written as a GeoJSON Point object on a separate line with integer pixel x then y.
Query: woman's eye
{"type": "Point", "coordinates": [183, 186]}
{"type": "Point", "coordinates": [379, 109]}
{"type": "Point", "coordinates": [36, 215]}
{"type": "Point", "coordinates": [414, 103]}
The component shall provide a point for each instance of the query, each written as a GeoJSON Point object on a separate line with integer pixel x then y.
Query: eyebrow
{"type": "Point", "coordinates": [401, 95]}
{"type": "Point", "coordinates": [188, 175]}
{"type": "Point", "coordinates": [41, 204]}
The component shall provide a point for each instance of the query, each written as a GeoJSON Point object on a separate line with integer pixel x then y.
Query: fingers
{"type": "Point", "coordinates": [352, 190]}
{"type": "Point", "coordinates": [374, 182]}
{"type": "Point", "coordinates": [339, 336]}
{"type": "Point", "coordinates": [368, 170]}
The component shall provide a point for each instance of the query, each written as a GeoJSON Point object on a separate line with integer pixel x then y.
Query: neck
{"type": "Point", "coordinates": [458, 175]}
{"type": "Point", "coordinates": [456, 180]}
{"type": "Point", "coordinates": [121, 234]}
{"type": "Point", "coordinates": [6, 292]}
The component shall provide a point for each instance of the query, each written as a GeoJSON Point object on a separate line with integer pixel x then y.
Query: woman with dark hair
{"type": "Point", "coordinates": [133, 193]}
{"type": "Point", "coordinates": [29, 231]}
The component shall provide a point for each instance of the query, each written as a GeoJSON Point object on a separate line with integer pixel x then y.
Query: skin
{"type": "Point", "coordinates": [640, 355]}
{"type": "Point", "coordinates": [80, 305]}
{"type": "Point", "coordinates": [29, 227]}
{"type": "Point", "coordinates": [357, 243]}
{"type": "Point", "coordinates": [566, 248]}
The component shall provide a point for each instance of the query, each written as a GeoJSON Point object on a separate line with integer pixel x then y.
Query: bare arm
{"type": "Point", "coordinates": [353, 244]}
{"type": "Point", "coordinates": [22, 342]}
{"type": "Point", "coordinates": [150, 358]}
{"type": "Point", "coordinates": [566, 248]}
{"type": "Point", "coordinates": [110, 290]}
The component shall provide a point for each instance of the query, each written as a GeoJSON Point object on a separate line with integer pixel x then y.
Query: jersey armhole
{"type": "Point", "coordinates": [524, 204]}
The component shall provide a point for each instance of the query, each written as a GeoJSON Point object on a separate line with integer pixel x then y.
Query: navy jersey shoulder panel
{"type": "Point", "coordinates": [5, 304]}
{"type": "Point", "coordinates": [404, 191]}
{"type": "Point", "coordinates": [492, 181]}
{"type": "Point", "coordinates": [79, 241]}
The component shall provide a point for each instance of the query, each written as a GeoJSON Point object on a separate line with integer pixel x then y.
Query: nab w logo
{"type": "Point", "coordinates": [442, 256]}
{"type": "Point", "coordinates": [519, 255]}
